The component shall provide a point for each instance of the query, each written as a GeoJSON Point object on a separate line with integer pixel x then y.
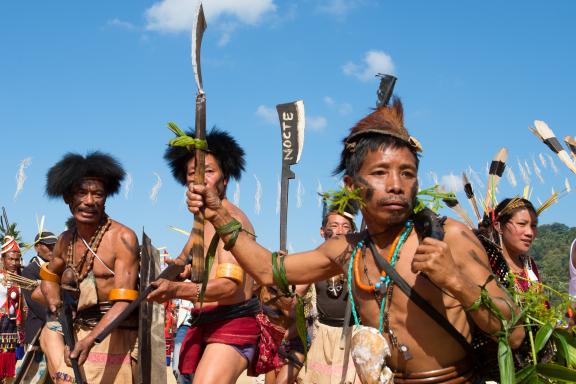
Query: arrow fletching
{"type": "Point", "coordinates": [495, 172]}
{"type": "Point", "coordinates": [571, 143]}
{"type": "Point", "coordinates": [544, 133]}
{"type": "Point", "coordinates": [470, 195]}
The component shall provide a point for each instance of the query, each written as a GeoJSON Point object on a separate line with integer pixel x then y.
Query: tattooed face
{"type": "Point", "coordinates": [388, 179]}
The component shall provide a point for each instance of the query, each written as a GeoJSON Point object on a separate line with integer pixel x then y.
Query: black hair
{"type": "Point", "coordinates": [66, 174]}
{"type": "Point", "coordinates": [353, 155]}
{"type": "Point", "coordinates": [226, 150]}
{"type": "Point", "coordinates": [508, 213]}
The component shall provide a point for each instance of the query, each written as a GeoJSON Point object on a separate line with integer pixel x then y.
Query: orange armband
{"type": "Point", "coordinates": [47, 275]}
{"type": "Point", "coordinates": [230, 271]}
{"type": "Point", "coordinates": [120, 294]}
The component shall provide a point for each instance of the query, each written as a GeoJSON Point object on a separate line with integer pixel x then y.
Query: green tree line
{"type": "Point", "coordinates": [551, 250]}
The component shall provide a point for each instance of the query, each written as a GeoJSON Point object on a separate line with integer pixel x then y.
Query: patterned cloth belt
{"type": "Point", "coordinates": [90, 316]}
{"type": "Point", "coordinates": [247, 308]}
{"type": "Point", "coordinates": [461, 372]}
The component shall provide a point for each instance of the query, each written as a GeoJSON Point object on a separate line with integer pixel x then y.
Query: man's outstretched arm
{"type": "Point", "coordinates": [256, 260]}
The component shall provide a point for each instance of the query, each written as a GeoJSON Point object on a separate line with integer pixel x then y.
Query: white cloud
{"type": "Point", "coordinates": [178, 15]}
{"type": "Point", "coordinates": [374, 62]}
{"type": "Point", "coordinates": [452, 183]}
{"type": "Point", "coordinates": [329, 101]}
{"type": "Point", "coordinates": [121, 24]}
{"type": "Point", "coordinates": [337, 7]}
{"type": "Point", "coordinates": [267, 114]}
{"type": "Point", "coordinates": [342, 108]}
{"type": "Point", "coordinates": [316, 123]}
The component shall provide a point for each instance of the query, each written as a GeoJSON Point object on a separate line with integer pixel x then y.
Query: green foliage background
{"type": "Point", "coordinates": [551, 250]}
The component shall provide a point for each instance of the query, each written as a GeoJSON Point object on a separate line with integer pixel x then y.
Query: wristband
{"type": "Point", "coordinates": [47, 275]}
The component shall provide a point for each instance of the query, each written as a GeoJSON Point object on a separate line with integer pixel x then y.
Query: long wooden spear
{"type": "Point", "coordinates": [197, 250]}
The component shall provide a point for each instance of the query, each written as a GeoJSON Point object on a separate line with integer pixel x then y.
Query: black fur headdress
{"type": "Point", "coordinates": [68, 172]}
{"type": "Point", "coordinates": [221, 145]}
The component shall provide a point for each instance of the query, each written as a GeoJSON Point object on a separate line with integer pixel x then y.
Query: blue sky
{"type": "Point", "coordinates": [109, 75]}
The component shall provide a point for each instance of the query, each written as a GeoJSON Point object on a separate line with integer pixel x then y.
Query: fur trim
{"type": "Point", "coordinates": [385, 120]}
{"type": "Point", "coordinates": [69, 171]}
{"type": "Point", "coordinates": [221, 145]}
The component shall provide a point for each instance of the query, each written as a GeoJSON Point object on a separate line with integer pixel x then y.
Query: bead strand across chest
{"type": "Point", "coordinates": [87, 258]}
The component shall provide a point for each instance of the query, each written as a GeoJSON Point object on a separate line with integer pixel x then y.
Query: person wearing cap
{"type": "Point", "coordinates": [98, 256]}
{"type": "Point", "coordinates": [43, 245]}
{"type": "Point", "coordinates": [380, 162]}
{"type": "Point", "coordinates": [11, 315]}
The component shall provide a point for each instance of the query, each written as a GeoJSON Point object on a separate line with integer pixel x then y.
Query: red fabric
{"type": "Point", "coordinates": [7, 364]}
{"type": "Point", "coordinates": [242, 331]}
{"type": "Point", "coordinates": [271, 336]}
{"type": "Point", "coordinates": [10, 245]}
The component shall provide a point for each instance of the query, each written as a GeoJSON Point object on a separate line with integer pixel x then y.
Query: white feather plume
{"type": "Point", "coordinates": [21, 176]}
{"type": "Point", "coordinates": [156, 188]}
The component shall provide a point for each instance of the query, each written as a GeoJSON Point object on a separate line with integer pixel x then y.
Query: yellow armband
{"type": "Point", "coordinates": [120, 294]}
{"type": "Point", "coordinates": [47, 275]}
{"type": "Point", "coordinates": [230, 271]}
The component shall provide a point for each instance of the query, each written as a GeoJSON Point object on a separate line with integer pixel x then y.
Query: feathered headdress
{"type": "Point", "coordinates": [68, 172]}
{"type": "Point", "coordinates": [221, 145]}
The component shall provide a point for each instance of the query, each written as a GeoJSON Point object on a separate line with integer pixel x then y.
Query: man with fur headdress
{"type": "Point", "coordinates": [222, 340]}
{"type": "Point", "coordinates": [99, 257]}
{"type": "Point", "coordinates": [380, 164]}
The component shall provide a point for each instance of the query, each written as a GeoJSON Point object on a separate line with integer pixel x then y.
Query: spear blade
{"type": "Point", "coordinates": [292, 124]}
{"type": "Point", "coordinates": [197, 250]}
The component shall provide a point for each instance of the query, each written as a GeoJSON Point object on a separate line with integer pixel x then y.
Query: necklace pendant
{"type": "Point", "coordinates": [393, 338]}
{"type": "Point", "coordinates": [405, 351]}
